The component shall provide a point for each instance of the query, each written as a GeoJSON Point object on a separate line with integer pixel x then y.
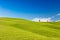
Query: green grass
{"type": "Point", "coordinates": [20, 29]}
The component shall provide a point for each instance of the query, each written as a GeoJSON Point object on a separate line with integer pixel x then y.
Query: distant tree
{"type": "Point", "coordinates": [39, 20]}
{"type": "Point", "coordinates": [47, 20]}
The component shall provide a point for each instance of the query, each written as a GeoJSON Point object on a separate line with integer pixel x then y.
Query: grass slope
{"type": "Point", "coordinates": [20, 29]}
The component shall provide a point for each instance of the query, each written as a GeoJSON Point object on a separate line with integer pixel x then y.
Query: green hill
{"type": "Point", "coordinates": [20, 29]}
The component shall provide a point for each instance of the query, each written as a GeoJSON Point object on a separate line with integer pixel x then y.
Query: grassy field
{"type": "Point", "coordinates": [20, 29]}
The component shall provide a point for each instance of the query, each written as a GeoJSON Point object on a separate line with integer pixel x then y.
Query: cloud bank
{"type": "Point", "coordinates": [49, 19]}
{"type": "Point", "coordinates": [58, 14]}
{"type": "Point", "coordinates": [42, 19]}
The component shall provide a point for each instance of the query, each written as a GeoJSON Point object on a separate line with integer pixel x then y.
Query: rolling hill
{"type": "Point", "coordinates": [21, 29]}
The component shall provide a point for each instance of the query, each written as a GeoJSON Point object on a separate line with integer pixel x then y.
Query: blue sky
{"type": "Point", "coordinates": [29, 9]}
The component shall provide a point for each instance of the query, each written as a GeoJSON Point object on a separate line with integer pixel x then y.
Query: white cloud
{"type": "Point", "coordinates": [57, 20]}
{"type": "Point", "coordinates": [58, 14]}
{"type": "Point", "coordinates": [42, 19]}
{"type": "Point", "coordinates": [36, 19]}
